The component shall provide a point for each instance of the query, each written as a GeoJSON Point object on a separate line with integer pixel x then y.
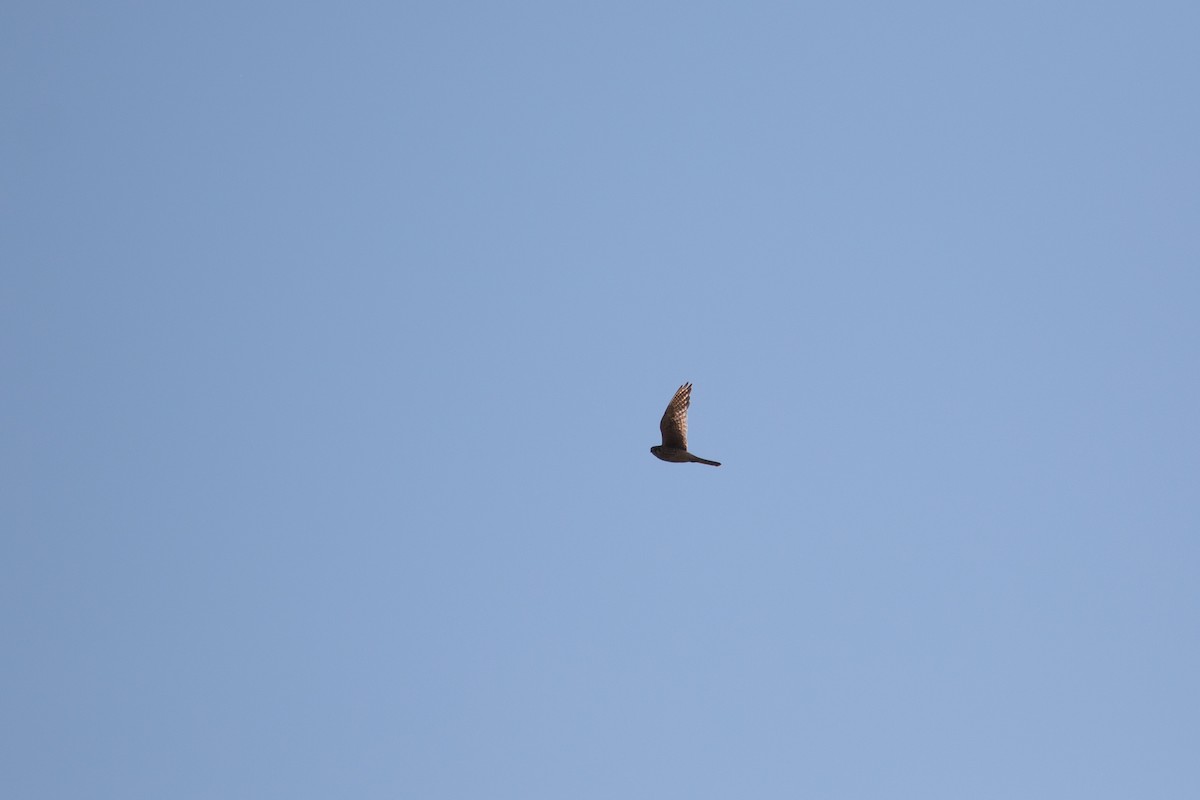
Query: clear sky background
{"type": "Point", "coordinates": [335, 338]}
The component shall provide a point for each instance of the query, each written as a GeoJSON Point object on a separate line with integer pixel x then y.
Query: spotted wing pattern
{"type": "Point", "coordinates": [674, 419]}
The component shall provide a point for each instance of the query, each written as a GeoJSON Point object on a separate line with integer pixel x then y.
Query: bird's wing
{"type": "Point", "coordinates": [674, 420]}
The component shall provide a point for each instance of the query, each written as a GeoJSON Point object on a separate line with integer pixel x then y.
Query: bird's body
{"type": "Point", "coordinates": [674, 454]}
{"type": "Point", "coordinates": [673, 427]}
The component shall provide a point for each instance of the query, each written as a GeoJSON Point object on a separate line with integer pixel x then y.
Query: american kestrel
{"type": "Point", "coordinates": [674, 431]}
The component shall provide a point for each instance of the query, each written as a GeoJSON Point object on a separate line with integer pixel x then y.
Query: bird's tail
{"type": "Point", "coordinates": [700, 460]}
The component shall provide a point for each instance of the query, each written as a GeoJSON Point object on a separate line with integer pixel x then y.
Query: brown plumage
{"type": "Point", "coordinates": [674, 431]}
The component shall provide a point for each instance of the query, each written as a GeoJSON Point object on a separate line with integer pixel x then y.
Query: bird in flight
{"type": "Point", "coordinates": [674, 431]}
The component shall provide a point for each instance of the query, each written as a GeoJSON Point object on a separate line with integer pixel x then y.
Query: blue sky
{"type": "Point", "coordinates": [335, 338]}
